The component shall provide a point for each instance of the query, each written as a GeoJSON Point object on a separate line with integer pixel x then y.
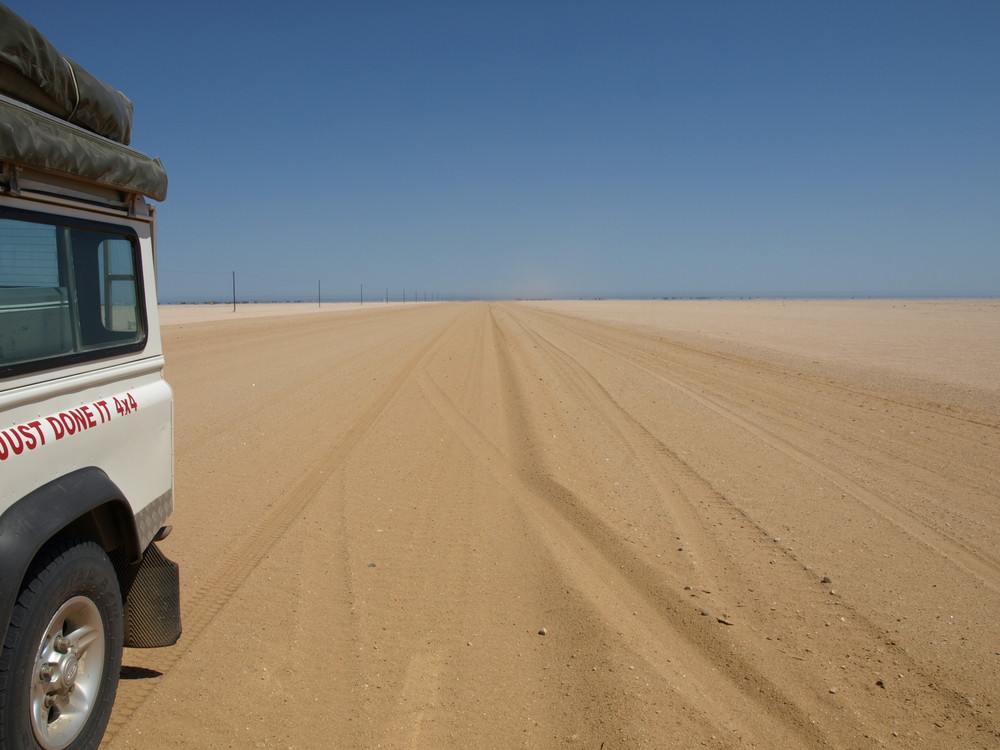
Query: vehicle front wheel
{"type": "Point", "coordinates": [60, 663]}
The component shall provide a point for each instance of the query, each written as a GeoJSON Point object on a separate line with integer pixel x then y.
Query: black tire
{"type": "Point", "coordinates": [60, 664]}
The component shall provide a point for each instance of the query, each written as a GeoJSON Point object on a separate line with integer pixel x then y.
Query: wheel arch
{"type": "Point", "coordinates": [84, 504]}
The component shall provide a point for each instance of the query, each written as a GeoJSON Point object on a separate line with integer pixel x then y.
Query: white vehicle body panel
{"type": "Point", "coordinates": [113, 413]}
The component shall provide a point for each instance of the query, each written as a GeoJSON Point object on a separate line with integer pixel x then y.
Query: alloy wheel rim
{"type": "Point", "coordinates": [68, 668]}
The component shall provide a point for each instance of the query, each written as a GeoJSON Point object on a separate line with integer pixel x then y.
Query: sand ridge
{"type": "Point", "coordinates": [380, 512]}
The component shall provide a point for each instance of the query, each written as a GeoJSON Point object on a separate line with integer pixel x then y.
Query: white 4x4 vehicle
{"type": "Point", "coordinates": [86, 477]}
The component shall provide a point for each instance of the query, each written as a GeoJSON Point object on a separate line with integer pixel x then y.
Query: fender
{"type": "Point", "coordinates": [85, 503]}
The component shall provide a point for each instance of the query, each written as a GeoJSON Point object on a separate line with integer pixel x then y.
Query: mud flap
{"type": "Point", "coordinates": [153, 602]}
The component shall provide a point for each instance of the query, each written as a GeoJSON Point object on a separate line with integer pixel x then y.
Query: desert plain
{"type": "Point", "coordinates": [617, 525]}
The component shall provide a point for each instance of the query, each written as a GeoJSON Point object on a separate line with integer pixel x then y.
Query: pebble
{"type": "Point", "coordinates": [826, 579]}
{"type": "Point", "coordinates": [706, 613]}
{"type": "Point", "coordinates": [543, 631]}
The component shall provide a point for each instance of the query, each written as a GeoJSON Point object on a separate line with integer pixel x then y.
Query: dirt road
{"type": "Point", "coordinates": [495, 526]}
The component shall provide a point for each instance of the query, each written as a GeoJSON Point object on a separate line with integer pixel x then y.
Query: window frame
{"type": "Point", "coordinates": [94, 353]}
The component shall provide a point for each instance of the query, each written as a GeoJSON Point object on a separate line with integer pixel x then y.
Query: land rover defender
{"type": "Point", "coordinates": [86, 417]}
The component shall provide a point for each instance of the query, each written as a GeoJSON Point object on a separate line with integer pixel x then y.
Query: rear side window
{"type": "Point", "coordinates": [69, 292]}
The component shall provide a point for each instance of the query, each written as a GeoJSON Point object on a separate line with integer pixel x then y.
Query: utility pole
{"type": "Point", "coordinates": [234, 291]}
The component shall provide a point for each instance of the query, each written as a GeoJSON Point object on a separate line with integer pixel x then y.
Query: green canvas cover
{"type": "Point", "coordinates": [34, 139]}
{"type": "Point", "coordinates": [74, 124]}
{"type": "Point", "coordinates": [33, 71]}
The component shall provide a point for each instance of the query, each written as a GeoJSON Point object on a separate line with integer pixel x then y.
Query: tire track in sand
{"type": "Point", "coordinates": [981, 567]}
{"type": "Point", "coordinates": [586, 551]}
{"type": "Point", "coordinates": [819, 396]}
{"type": "Point", "coordinates": [231, 417]}
{"type": "Point", "coordinates": [246, 553]}
{"type": "Point", "coordinates": [737, 565]}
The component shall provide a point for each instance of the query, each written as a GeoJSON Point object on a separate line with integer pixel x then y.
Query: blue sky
{"type": "Point", "coordinates": [568, 149]}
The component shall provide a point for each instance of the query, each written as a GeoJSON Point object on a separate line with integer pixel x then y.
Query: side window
{"type": "Point", "coordinates": [118, 295]}
{"type": "Point", "coordinates": [67, 293]}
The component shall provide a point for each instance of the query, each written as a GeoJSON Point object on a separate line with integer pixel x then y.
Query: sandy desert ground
{"type": "Point", "coordinates": [595, 525]}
